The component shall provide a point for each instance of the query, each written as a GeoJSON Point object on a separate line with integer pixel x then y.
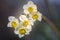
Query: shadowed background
{"type": "Point", "coordinates": [40, 31]}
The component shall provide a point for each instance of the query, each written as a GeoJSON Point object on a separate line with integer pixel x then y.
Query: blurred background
{"type": "Point", "coordinates": [40, 31]}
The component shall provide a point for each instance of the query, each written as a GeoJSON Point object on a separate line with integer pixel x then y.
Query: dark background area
{"type": "Point", "coordinates": [42, 31]}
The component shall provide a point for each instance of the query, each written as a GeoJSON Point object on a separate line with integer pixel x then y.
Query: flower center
{"type": "Point", "coordinates": [30, 9]}
{"type": "Point", "coordinates": [35, 16]}
{"type": "Point", "coordinates": [22, 31]}
{"type": "Point", "coordinates": [14, 24]}
{"type": "Point", "coordinates": [25, 23]}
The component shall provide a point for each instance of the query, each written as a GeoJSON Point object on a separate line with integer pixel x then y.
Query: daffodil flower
{"type": "Point", "coordinates": [36, 16]}
{"type": "Point", "coordinates": [29, 8]}
{"type": "Point", "coordinates": [13, 22]}
{"type": "Point", "coordinates": [21, 32]}
{"type": "Point", "coordinates": [26, 22]}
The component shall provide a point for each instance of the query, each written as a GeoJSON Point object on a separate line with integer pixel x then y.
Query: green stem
{"type": "Point", "coordinates": [52, 26]}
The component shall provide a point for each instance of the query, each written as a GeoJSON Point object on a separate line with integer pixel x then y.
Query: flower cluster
{"type": "Point", "coordinates": [23, 25]}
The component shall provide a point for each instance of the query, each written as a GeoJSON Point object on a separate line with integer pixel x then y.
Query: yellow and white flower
{"type": "Point", "coordinates": [26, 22]}
{"type": "Point", "coordinates": [21, 32]}
{"type": "Point", "coordinates": [13, 22]}
{"type": "Point", "coordinates": [36, 16]}
{"type": "Point", "coordinates": [29, 8]}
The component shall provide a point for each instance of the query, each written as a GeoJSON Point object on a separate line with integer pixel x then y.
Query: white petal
{"type": "Point", "coordinates": [20, 36]}
{"type": "Point", "coordinates": [28, 30]}
{"type": "Point", "coordinates": [26, 12]}
{"type": "Point", "coordinates": [16, 32]}
{"type": "Point", "coordinates": [29, 27]}
{"type": "Point", "coordinates": [27, 33]}
{"type": "Point", "coordinates": [35, 10]}
{"type": "Point", "coordinates": [35, 7]}
{"type": "Point", "coordinates": [10, 18]}
{"type": "Point", "coordinates": [31, 22]}
{"type": "Point", "coordinates": [40, 16]}
{"type": "Point", "coordinates": [20, 25]}
{"type": "Point", "coordinates": [16, 20]}
{"type": "Point", "coordinates": [22, 18]}
{"type": "Point", "coordinates": [17, 28]}
{"type": "Point", "coordinates": [30, 3]}
{"type": "Point", "coordinates": [30, 17]}
{"type": "Point", "coordinates": [25, 6]}
{"type": "Point", "coordinates": [9, 24]}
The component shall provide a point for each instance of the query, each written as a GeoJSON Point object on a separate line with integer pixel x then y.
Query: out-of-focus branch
{"type": "Point", "coordinates": [52, 26]}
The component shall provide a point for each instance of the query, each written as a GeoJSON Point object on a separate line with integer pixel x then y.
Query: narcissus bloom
{"type": "Point", "coordinates": [36, 16]}
{"type": "Point", "coordinates": [26, 22]}
{"type": "Point", "coordinates": [29, 8]}
{"type": "Point", "coordinates": [21, 32]}
{"type": "Point", "coordinates": [13, 22]}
